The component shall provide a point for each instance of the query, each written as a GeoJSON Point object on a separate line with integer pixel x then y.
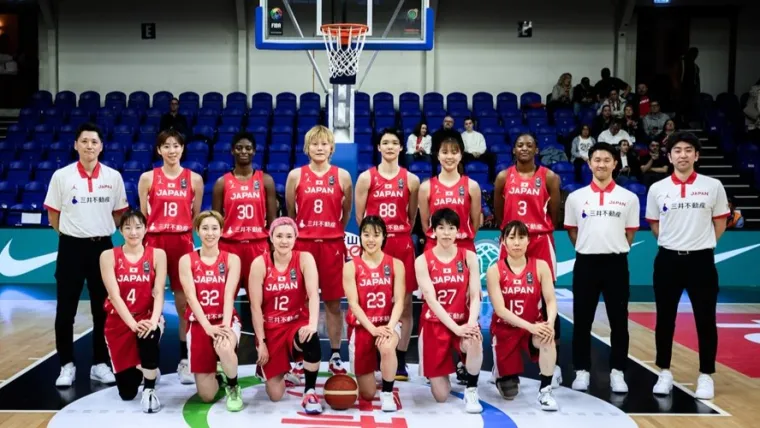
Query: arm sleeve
{"type": "Point", "coordinates": [653, 211]}
{"type": "Point", "coordinates": [720, 207]}
{"type": "Point", "coordinates": [53, 198]}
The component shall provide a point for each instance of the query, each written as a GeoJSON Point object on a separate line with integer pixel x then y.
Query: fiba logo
{"type": "Point", "coordinates": [353, 246]}
{"type": "Point", "coordinates": [488, 254]}
{"type": "Point", "coordinates": [412, 14]}
{"type": "Point", "coordinates": [275, 14]}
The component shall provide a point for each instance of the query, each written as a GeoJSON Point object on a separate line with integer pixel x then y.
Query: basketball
{"type": "Point", "coordinates": [341, 392]}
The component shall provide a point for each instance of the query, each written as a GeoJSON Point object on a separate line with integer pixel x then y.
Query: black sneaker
{"type": "Point", "coordinates": [508, 388]}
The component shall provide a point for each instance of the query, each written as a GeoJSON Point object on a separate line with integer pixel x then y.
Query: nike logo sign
{"type": "Point", "coordinates": [10, 267]}
{"type": "Point", "coordinates": [563, 268]}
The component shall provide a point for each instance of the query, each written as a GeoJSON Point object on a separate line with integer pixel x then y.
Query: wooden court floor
{"type": "Point", "coordinates": [26, 336]}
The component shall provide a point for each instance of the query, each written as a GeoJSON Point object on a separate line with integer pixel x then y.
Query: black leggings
{"type": "Point", "coordinates": [128, 381]}
{"type": "Point", "coordinates": [311, 350]}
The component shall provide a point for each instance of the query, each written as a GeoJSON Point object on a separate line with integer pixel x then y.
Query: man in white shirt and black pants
{"type": "Point", "coordinates": [475, 146]}
{"type": "Point", "coordinates": [84, 201]}
{"type": "Point", "coordinates": [688, 213]}
{"type": "Point", "coordinates": [601, 220]}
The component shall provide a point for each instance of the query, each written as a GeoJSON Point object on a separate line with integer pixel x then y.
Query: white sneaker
{"type": "Point", "coordinates": [337, 366]}
{"type": "Point", "coordinates": [472, 401]}
{"type": "Point", "coordinates": [102, 373]}
{"type": "Point", "coordinates": [664, 383]}
{"type": "Point", "coordinates": [378, 376]}
{"type": "Point", "coordinates": [582, 379]}
{"type": "Point", "coordinates": [617, 382]}
{"type": "Point", "coordinates": [66, 378]}
{"type": "Point", "coordinates": [183, 372]}
{"type": "Point", "coordinates": [557, 377]}
{"type": "Point", "coordinates": [705, 387]}
{"type": "Point", "coordinates": [546, 400]}
{"type": "Point", "coordinates": [149, 401]}
{"type": "Point", "coordinates": [311, 404]}
{"type": "Point", "coordinates": [387, 402]}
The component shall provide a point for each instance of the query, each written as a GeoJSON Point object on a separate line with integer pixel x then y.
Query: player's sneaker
{"type": "Point", "coordinates": [149, 401]}
{"type": "Point", "coordinates": [472, 401]}
{"type": "Point", "coordinates": [705, 387]}
{"type": "Point", "coordinates": [388, 402]}
{"type": "Point", "coordinates": [508, 388]}
{"type": "Point", "coordinates": [617, 382]}
{"type": "Point", "coordinates": [557, 377]}
{"type": "Point", "coordinates": [66, 378]}
{"type": "Point", "coordinates": [220, 376]}
{"type": "Point", "coordinates": [311, 404]}
{"type": "Point", "coordinates": [461, 373]}
{"type": "Point", "coordinates": [337, 366]}
{"type": "Point", "coordinates": [183, 372]}
{"type": "Point", "coordinates": [664, 383]}
{"type": "Point", "coordinates": [234, 398]}
{"type": "Point", "coordinates": [298, 369]}
{"type": "Point", "coordinates": [582, 380]}
{"type": "Point", "coordinates": [402, 373]}
{"type": "Point", "coordinates": [102, 373]}
{"type": "Point", "coordinates": [546, 399]}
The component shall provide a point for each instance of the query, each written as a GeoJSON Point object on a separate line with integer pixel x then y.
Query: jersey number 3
{"type": "Point", "coordinates": [522, 208]}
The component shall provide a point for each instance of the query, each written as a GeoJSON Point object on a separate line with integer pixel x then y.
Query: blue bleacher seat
{"type": "Point", "coordinates": [44, 134]}
{"type": "Point", "coordinates": [44, 171]}
{"type": "Point", "coordinates": [571, 187]}
{"type": "Point", "coordinates": [113, 163]}
{"type": "Point", "coordinates": [132, 170]}
{"type": "Point", "coordinates": [261, 101]}
{"type": "Point", "coordinates": [529, 100]}
{"type": "Point", "coordinates": [197, 152]}
{"type": "Point", "coordinates": [409, 102]}
{"type": "Point", "coordinates": [382, 101]}
{"type": "Point", "coordinates": [456, 101]}
{"type": "Point", "coordinates": [148, 133]}
{"type": "Point", "coordinates": [65, 100]}
{"type": "Point", "coordinates": [197, 167]}
{"type": "Point", "coordinates": [79, 116]}
{"type": "Point", "coordinates": [130, 117]}
{"type": "Point", "coordinates": [203, 132]}
{"type": "Point", "coordinates": [225, 134]}
{"type": "Point", "coordinates": [33, 194]}
{"type": "Point", "coordinates": [366, 153]}
{"type": "Point", "coordinates": [280, 153]}
{"type": "Point", "coordinates": [503, 153]}
{"type": "Point", "coordinates": [123, 134]}
{"type": "Point", "coordinates": [310, 101]}
{"type": "Point", "coordinates": [639, 189]}
{"type": "Point", "coordinates": [362, 100]}
{"type": "Point", "coordinates": [279, 172]}
{"type": "Point", "coordinates": [116, 101]}
{"type": "Point", "coordinates": [142, 152]}
{"type": "Point", "coordinates": [60, 152]}
{"type": "Point", "coordinates": [8, 194]}
{"type": "Point", "coordinates": [28, 118]}
{"type": "Point", "coordinates": [139, 100]}
{"type": "Point", "coordinates": [130, 188]}
{"type": "Point", "coordinates": [286, 101]}
{"type": "Point", "coordinates": [232, 117]}
{"type": "Point", "coordinates": [477, 171]}
{"type": "Point", "coordinates": [363, 118]}
{"type": "Point", "coordinates": [259, 117]}
{"type": "Point", "coordinates": [237, 101]}
{"type": "Point", "coordinates": [215, 170]}
{"type": "Point", "coordinates": [506, 101]}
{"type": "Point", "coordinates": [31, 152]}
{"type": "Point", "coordinates": [482, 101]}
{"type": "Point", "coordinates": [41, 100]}
{"type": "Point", "coordinates": [434, 119]}
{"type": "Point", "coordinates": [283, 116]}
{"type": "Point", "coordinates": [161, 101]}
{"type": "Point", "coordinates": [18, 172]}
{"type": "Point", "coordinates": [420, 167]}
{"type": "Point", "coordinates": [385, 118]}
{"type": "Point", "coordinates": [89, 101]}
{"type": "Point", "coordinates": [17, 135]}
{"type": "Point", "coordinates": [487, 118]}
{"type": "Point", "coordinates": [208, 117]}
{"type": "Point", "coordinates": [282, 135]}
{"type": "Point", "coordinates": [432, 101]}
{"type": "Point", "coordinates": [153, 117]}
{"type": "Point", "coordinates": [410, 118]}
{"type": "Point", "coordinates": [308, 118]}
{"type": "Point", "coordinates": [565, 170]}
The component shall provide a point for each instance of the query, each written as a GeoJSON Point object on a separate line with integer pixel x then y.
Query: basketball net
{"type": "Point", "coordinates": [344, 44]}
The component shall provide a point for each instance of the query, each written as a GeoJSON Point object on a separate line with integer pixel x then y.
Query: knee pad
{"type": "Point", "coordinates": [128, 383]}
{"type": "Point", "coordinates": [312, 350]}
{"type": "Point", "coordinates": [149, 354]}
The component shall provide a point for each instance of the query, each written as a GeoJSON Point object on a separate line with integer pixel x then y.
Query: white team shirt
{"type": "Point", "coordinates": [686, 210]}
{"type": "Point", "coordinates": [602, 217]}
{"type": "Point", "coordinates": [86, 203]}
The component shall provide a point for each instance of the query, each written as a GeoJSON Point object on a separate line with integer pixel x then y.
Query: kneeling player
{"type": "Point", "coordinates": [449, 278]}
{"type": "Point", "coordinates": [375, 290]}
{"type": "Point", "coordinates": [134, 276]}
{"type": "Point", "coordinates": [515, 287]}
{"type": "Point", "coordinates": [279, 285]}
{"type": "Point", "coordinates": [210, 278]}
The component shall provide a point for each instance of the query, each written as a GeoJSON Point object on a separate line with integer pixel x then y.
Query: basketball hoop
{"type": "Point", "coordinates": [344, 44]}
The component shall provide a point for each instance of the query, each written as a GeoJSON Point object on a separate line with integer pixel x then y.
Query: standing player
{"type": "Point", "coordinates": [375, 290]}
{"type": "Point", "coordinates": [451, 189]}
{"type": "Point", "coordinates": [318, 196]}
{"type": "Point", "coordinates": [210, 279]}
{"type": "Point", "coordinates": [280, 284]}
{"type": "Point", "coordinates": [170, 196]}
{"type": "Point", "coordinates": [516, 286]}
{"type": "Point", "coordinates": [248, 201]}
{"type": "Point", "coordinates": [449, 278]}
{"type": "Point", "coordinates": [134, 276]}
{"type": "Point", "coordinates": [530, 193]}
{"type": "Point", "coordinates": [390, 191]}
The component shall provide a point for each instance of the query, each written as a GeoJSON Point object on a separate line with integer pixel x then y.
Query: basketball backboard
{"type": "Point", "coordinates": [393, 24]}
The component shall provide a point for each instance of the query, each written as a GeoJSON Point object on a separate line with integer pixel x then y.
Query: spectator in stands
{"type": "Point", "coordinates": [752, 111]}
{"type": "Point", "coordinates": [579, 150]}
{"type": "Point", "coordinates": [641, 100]}
{"type": "Point", "coordinates": [562, 94]}
{"type": "Point", "coordinates": [667, 130]}
{"type": "Point", "coordinates": [654, 122]}
{"type": "Point", "coordinates": [173, 120]}
{"type": "Point", "coordinates": [418, 145]}
{"type": "Point", "coordinates": [614, 134]}
{"type": "Point", "coordinates": [632, 124]}
{"type": "Point", "coordinates": [617, 105]}
{"type": "Point", "coordinates": [654, 165]}
{"type": "Point", "coordinates": [735, 219]}
{"type": "Point", "coordinates": [602, 122]}
{"type": "Point", "coordinates": [475, 146]}
{"type": "Point", "coordinates": [609, 83]}
{"type": "Point", "coordinates": [583, 95]}
{"type": "Point", "coordinates": [629, 167]}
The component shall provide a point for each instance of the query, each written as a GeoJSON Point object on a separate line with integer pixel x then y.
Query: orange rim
{"type": "Point", "coordinates": [345, 31]}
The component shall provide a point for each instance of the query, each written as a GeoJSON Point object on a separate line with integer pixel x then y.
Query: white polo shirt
{"type": "Point", "coordinates": [602, 217]}
{"type": "Point", "coordinates": [686, 210]}
{"type": "Point", "coordinates": [86, 203]}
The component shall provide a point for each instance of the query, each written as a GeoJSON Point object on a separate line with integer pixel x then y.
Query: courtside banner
{"type": "Point", "coordinates": [27, 256]}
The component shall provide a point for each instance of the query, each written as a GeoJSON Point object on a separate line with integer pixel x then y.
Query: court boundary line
{"type": "Point", "coordinates": [707, 403]}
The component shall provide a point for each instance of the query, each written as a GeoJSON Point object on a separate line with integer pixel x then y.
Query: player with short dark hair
{"type": "Point", "coordinates": [135, 277]}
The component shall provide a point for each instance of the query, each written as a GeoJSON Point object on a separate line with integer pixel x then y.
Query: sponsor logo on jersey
{"type": "Point", "coordinates": [538, 182]}
{"type": "Point", "coordinates": [400, 183]}
{"type": "Point", "coordinates": [183, 183]}
{"type": "Point", "coordinates": [293, 274]}
{"type": "Point", "coordinates": [256, 185]}
{"type": "Point", "coordinates": [222, 268]}
{"type": "Point", "coordinates": [529, 278]}
{"type": "Point", "coordinates": [387, 270]}
{"type": "Point", "coordinates": [146, 267]}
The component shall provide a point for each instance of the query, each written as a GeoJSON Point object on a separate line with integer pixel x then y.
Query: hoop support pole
{"type": "Point", "coordinates": [385, 35]}
{"type": "Point", "coordinates": [308, 52]}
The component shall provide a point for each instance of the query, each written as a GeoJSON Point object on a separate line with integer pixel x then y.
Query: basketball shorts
{"type": "Point", "coordinates": [467, 244]}
{"type": "Point", "coordinates": [280, 339]}
{"type": "Point", "coordinates": [247, 250]}
{"type": "Point", "coordinates": [362, 352]}
{"type": "Point", "coordinates": [330, 256]}
{"type": "Point", "coordinates": [541, 246]}
{"type": "Point", "coordinates": [175, 245]}
{"type": "Point", "coordinates": [401, 247]}
{"type": "Point", "coordinates": [200, 346]}
{"type": "Point", "coordinates": [122, 342]}
{"type": "Point", "coordinates": [508, 346]}
{"type": "Point", "coordinates": [436, 343]}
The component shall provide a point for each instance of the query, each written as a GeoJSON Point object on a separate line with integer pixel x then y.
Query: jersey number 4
{"type": "Point", "coordinates": [132, 296]}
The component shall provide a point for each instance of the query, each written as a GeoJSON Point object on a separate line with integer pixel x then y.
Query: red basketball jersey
{"type": "Point", "coordinates": [521, 292]}
{"type": "Point", "coordinates": [245, 209]}
{"type": "Point", "coordinates": [389, 199]}
{"type": "Point", "coordinates": [210, 281]}
{"type": "Point", "coordinates": [170, 203]}
{"type": "Point", "coordinates": [135, 281]}
{"type": "Point", "coordinates": [319, 205]}
{"type": "Point", "coordinates": [527, 200]}
{"type": "Point", "coordinates": [375, 290]}
{"type": "Point", "coordinates": [284, 292]}
{"type": "Point", "coordinates": [451, 282]}
{"type": "Point", "coordinates": [456, 197]}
